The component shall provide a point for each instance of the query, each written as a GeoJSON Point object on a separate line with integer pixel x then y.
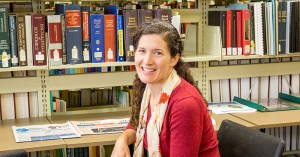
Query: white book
{"type": "Point", "coordinates": [7, 106]}
{"type": "Point", "coordinates": [225, 90]}
{"type": "Point", "coordinates": [33, 104]}
{"type": "Point", "coordinates": [22, 106]}
{"type": "Point", "coordinates": [28, 35]}
{"type": "Point", "coordinates": [295, 84]}
{"type": "Point", "coordinates": [215, 91]}
{"type": "Point", "coordinates": [274, 89]}
{"type": "Point", "coordinates": [264, 87]}
{"type": "Point", "coordinates": [21, 99]}
{"type": "Point", "coordinates": [245, 87]}
{"type": "Point", "coordinates": [285, 84]}
{"type": "Point", "coordinates": [294, 138]}
{"type": "Point", "coordinates": [254, 82]}
{"type": "Point", "coordinates": [234, 88]}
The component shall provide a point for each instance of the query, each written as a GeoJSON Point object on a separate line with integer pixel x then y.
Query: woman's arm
{"type": "Point", "coordinates": [121, 146]}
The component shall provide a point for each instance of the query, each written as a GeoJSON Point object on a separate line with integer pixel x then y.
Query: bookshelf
{"type": "Point", "coordinates": [43, 83]}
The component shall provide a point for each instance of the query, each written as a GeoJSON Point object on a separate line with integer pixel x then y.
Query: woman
{"type": "Point", "coordinates": [169, 115]}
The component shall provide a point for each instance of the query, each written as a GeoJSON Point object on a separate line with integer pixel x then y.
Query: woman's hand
{"type": "Point", "coordinates": [121, 148]}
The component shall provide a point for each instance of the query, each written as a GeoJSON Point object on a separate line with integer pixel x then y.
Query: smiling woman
{"type": "Point", "coordinates": [169, 114]}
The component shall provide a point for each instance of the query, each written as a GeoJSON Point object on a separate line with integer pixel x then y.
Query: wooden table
{"type": "Point", "coordinates": [90, 140]}
{"type": "Point", "coordinates": [271, 119]}
{"type": "Point", "coordinates": [7, 139]}
{"type": "Point", "coordinates": [221, 117]}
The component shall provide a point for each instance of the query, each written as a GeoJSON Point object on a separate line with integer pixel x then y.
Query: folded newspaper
{"type": "Point", "coordinates": [44, 132]}
{"type": "Point", "coordinates": [71, 129]}
{"type": "Point", "coordinates": [101, 126]}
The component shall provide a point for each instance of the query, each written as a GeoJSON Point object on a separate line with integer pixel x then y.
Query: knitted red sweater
{"type": "Point", "coordinates": [187, 129]}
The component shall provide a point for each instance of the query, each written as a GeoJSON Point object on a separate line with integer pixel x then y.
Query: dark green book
{"type": "Point", "coordinates": [5, 61]}
{"type": "Point", "coordinates": [268, 105]}
{"type": "Point", "coordinates": [290, 97]}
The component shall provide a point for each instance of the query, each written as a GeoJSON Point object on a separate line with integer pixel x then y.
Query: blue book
{"type": "Point", "coordinates": [13, 41]}
{"type": "Point", "coordinates": [120, 39]}
{"type": "Point", "coordinates": [73, 34]}
{"type": "Point", "coordinates": [97, 37]}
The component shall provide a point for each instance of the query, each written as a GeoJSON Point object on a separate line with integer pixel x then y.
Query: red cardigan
{"type": "Point", "coordinates": [187, 129]}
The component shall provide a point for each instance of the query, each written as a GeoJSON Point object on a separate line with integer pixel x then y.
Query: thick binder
{"type": "Point", "coordinates": [290, 97]}
{"type": "Point", "coordinates": [268, 105]}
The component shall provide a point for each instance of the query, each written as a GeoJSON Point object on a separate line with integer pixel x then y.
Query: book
{"type": "Point", "coordinates": [21, 39]}
{"type": "Point", "coordinates": [39, 39]}
{"type": "Point", "coordinates": [54, 39]}
{"type": "Point", "coordinates": [110, 37]}
{"type": "Point", "coordinates": [5, 60]}
{"type": "Point", "coordinates": [97, 37]}
{"type": "Point", "coordinates": [29, 34]}
{"type": "Point", "coordinates": [13, 41]}
{"type": "Point", "coordinates": [290, 97]}
{"type": "Point", "coordinates": [85, 14]}
{"type": "Point", "coordinates": [120, 39]}
{"type": "Point", "coordinates": [229, 107]}
{"type": "Point", "coordinates": [268, 105]}
{"type": "Point", "coordinates": [130, 20]}
{"type": "Point", "coordinates": [73, 34]}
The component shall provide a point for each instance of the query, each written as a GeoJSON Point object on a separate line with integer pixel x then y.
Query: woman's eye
{"type": "Point", "coordinates": [157, 53]}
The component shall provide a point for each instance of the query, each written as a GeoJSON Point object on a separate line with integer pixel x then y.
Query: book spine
{"type": "Point", "coordinates": [110, 37]}
{"type": "Point", "coordinates": [13, 41]}
{"type": "Point", "coordinates": [239, 33]}
{"type": "Point", "coordinates": [38, 39]}
{"type": "Point", "coordinates": [228, 32]}
{"type": "Point", "coordinates": [120, 37]}
{"type": "Point", "coordinates": [144, 15]}
{"type": "Point", "coordinates": [282, 15]}
{"type": "Point", "coordinates": [252, 30]}
{"type": "Point", "coordinates": [130, 26]}
{"type": "Point", "coordinates": [246, 32]}
{"type": "Point", "coordinates": [233, 33]}
{"type": "Point", "coordinates": [55, 39]}
{"type": "Point", "coordinates": [21, 40]}
{"type": "Point", "coordinates": [97, 37]}
{"type": "Point", "coordinates": [163, 14]}
{"type": "Point", "coordinates": [29, 33]}
{"type": "Point", "coordinates": [85, 14]}
{"type": "Point", "coordinates": [73, 34]}
{"type": "Point", "coordinates": [63, 38]}
{"type": "Point", "coordinates": [5, 61]}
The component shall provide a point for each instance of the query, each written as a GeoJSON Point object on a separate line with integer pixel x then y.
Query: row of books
{"type": "Point", "coordinates": [74, 36]}
{"type": "Point", "coordinates": [84, 99]}
{"type": "Point", "coordinates": [19, 105]}
{"type": "Point", "coordinates": [260, 28]}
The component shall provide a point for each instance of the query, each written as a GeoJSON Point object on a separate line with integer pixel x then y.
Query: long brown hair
{"type": "Point", "coordinates": [172, 38]}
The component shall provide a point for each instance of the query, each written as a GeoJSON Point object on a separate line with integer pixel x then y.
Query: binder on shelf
{"type": "Point", "coordinates": [213, 43]}
{"type": "Point", "coordinates": [290, 97]}
{"type": "Point", "coordinates": [268, 105]}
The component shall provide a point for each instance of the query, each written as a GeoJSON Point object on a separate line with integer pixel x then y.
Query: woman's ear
{"type": "Point", "coordinates": [175, 59]}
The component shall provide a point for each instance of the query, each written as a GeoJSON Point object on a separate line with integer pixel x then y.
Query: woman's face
{"type": "Point", "coordinates": [153, 61]}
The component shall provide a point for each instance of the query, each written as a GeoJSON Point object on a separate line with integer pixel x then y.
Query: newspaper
{"type": "Point", "coordinates": [44, 132]}
{"type": "Point", "coordinates": [101, 126]}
